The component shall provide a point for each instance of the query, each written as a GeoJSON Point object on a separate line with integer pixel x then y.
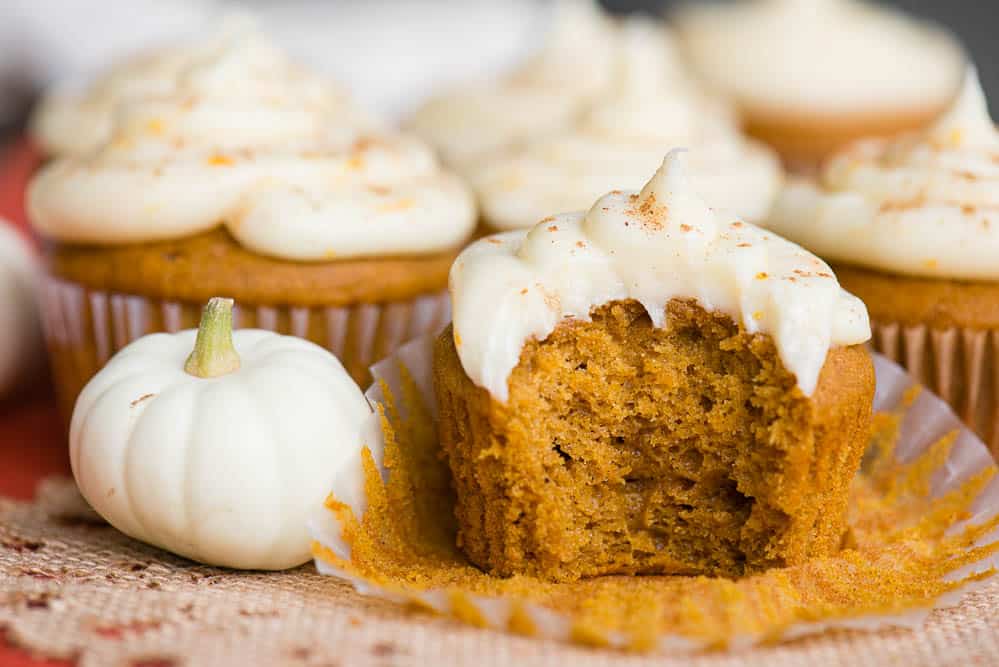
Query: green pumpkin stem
{"type": "Point", "coordinates": [214, 354]}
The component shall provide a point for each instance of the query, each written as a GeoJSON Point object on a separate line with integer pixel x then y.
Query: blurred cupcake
{"type": "Point", "coordinates": [543, 95]}
{"type": "Point", "coordinates": [810, 76]}
{"type": "Point", "coordinates": [79, 121]}
{"type": "Point", "coordinates": [650, 107]}
{"type": "Point", "coordinates": [912, 228]}
{"type": "Point", "coordinates": [238, 174]}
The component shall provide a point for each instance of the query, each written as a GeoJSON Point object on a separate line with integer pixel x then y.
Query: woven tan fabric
{"type": "Point", "coordinates": [71, 586]}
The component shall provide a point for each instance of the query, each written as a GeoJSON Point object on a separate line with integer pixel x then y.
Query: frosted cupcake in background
{"type": "Point", "coordinates": [911, 226]}
{"type": "Point", "coordinates": [80, 121]}
{"type": "Point", "coordinates": [232, 171]}
{"type": "Point", "coordinates": [650, 106]}
{"type": "Point", "coordinates": [544, 94]}
{"type": "Point", "coordinates": [809, 76]}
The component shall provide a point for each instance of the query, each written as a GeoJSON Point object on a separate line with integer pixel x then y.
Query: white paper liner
{"type": "Point", "coordinates": [926, 421]}
{"type": "Point", "coordinates": [85, 327]}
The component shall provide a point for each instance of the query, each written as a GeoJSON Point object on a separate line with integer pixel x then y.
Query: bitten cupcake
{"type": "Point", "coordinates": [812, 75]}
{"type": "Point", "coordinates": [650, 387]}
{"type": "Point", "coordinates": [542, 95]}
{"type": "Point", "coordinates": [912, 226]}
{"type": "Point", "coordinates": [650, 106]}
{"type": "Point", "coordinates": [239, 174]}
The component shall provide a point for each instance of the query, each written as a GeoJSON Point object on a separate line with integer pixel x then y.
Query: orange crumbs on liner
{"type": "Point", "coordinates": [901, 552]}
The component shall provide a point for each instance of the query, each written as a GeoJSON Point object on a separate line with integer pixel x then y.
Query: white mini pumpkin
{"type": "Point", "coordinates": [223, 458]}
{"type": "Point", "coordinates": [20, 333]}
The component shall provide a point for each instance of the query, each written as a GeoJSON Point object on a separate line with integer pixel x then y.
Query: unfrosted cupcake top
{"type": "Point", "coordinates": [650, 107]}
{"type": "Point", "coordinates": [822, 56]}
{"type": "Point", "coordinates": [542, 95]}
{"type": "Point", "coordinates": [925, 204]}
{"type": "Point", "coordinates": [237, 135]}
{"type": "Point", "coordinates": [652, 246]}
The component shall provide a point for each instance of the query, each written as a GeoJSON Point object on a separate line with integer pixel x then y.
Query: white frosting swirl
{"type": "Point", "coordinates": [622, 138]}
{"type": "Point", "coordinates": [925, 204]}
{"type": "Point", "coordinates": [822, 56]}
{"type": "Point", "coordinates": [239, 136]}
{"type": "Point", "coordinates": [543, 95]}
{"type": "Point", "coordinates": [81, 121]}
{"type": "Point", "coordinates": [653, 246]}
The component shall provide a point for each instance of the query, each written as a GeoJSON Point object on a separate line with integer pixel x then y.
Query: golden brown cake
{"type": "Point", "coordinates": [911, 227]}
{"type": "Point", "coordinates": [232, 172]}
{"type": "Point", "coordinates": [625, 448]}
{"type": "Point", "coordinates": [599, 418]}
{"type": "Point", "coordinates": [805, 139]}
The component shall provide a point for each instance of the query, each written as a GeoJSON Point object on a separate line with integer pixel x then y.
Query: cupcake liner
{"type": "Point", "coordinates": [960, 365]}
{"type": "Point", "coordinates": [85, 327]}
{"type": "Point", "coordinates": [923, 426]}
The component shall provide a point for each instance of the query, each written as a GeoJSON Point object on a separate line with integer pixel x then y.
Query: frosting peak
{"type": "Point", "coordinates": [925, 204]}
{"type": "Point", "coordinates": [576, 24]}
{"type": "Point", "coordinates": [541, 96]}
{"type": "Point", "coordinates": [967, 123]}
{"type": "Point", "coordinates": [233, 133]}
{"type": "Point", "coordinates": [652, 246]}
{"type": "Point", "coordinates": [668, 195]}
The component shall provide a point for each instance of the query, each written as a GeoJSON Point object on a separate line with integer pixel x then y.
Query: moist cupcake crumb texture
{"type": "Point", "coordinates": [629, 449]}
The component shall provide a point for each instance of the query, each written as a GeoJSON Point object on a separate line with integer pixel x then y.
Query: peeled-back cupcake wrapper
{"type": "Point", "coordinates": [922, 423]}
{"type": "Point", "coordinates": [85, 327]}
{"type": "Point", "coordinates": [960, 365]}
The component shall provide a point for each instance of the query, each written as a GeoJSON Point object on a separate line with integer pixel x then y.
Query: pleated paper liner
{"type": "Point", "coordinates": [85, 327]}
{"type": "Point", "coordinates": [960, 365]}
{"type": "Point", "coordinates": [923, 531]}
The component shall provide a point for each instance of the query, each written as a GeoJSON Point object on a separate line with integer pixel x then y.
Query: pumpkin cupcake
{"type": "Point", "coordinates": [912, 226]}
{"type": "Point", "coordinates": [810, 76]}
{"type": "Point", "coordinates": [239, 174]}
{"type": "Point", "coordinates": [650, 387]}
{"type": "Point", "coordinates": [650, 106]}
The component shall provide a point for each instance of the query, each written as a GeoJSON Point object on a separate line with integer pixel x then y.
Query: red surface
{"type": "Point", "coordinates": [17, 161]}
{"type": "Point", "coordinates": [31, 439]}
{"type": "Point", "coordinates": [32, 444]}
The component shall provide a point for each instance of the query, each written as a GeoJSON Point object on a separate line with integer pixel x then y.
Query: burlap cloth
{"type": "Point", "coordinates": [73, 587]}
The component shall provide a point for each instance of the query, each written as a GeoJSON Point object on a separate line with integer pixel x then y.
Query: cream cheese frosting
{"type": "Point", "coordinates": [925, 204]}
{"type": "Point", "coordinates": [655, 245]}
{"type": "Point", "coordinates": [235, 134]}
{"type": "Point", "coordinates": [822, 56]}
{"type": "Point", "coordinates": [543, 94]}
{"type": "Point", "coordinates": [652, 106]}
{"type": "Point", "coordinates": [79, 121]}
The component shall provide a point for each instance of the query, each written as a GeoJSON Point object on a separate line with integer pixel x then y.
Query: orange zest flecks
{"type": "Point", "coordinates": [219, 160]}
{"type": "Point", "coordinates": [398, 205]}
{"type": "Point", "coordinates": [355, 162]}
{"type": "Point", "coordinates": [903, 547]}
